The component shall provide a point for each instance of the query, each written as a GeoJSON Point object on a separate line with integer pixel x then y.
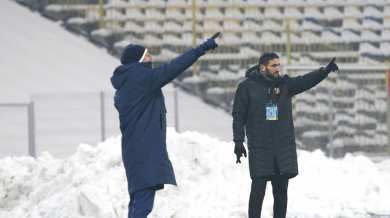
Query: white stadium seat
{"type": "Point", "coordinates": [174, 13]}
{"type": "Point", "coordinates": [293, 12]}
{"type": "Point", "coordinates": [351, 23]}
{"type": "Point", "coordinates": [135, 13]}
{"type": "Point", "coordinates": [332, 13]}
{"type": "Point", "coordinates": [171, 26]}
{"type": "Point", "coordinates": [371, 11]}
{"type": "Point", "coordinates": [353, 11]}
{"type": "Point", "coordinates": [214, 12]}
{"type": "Point", "coordinates": [368, 35]}
{"type": "Point", "coordinates": [234, 13]}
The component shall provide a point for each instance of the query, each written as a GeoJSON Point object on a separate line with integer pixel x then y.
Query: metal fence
{"type": "Point", "coordinates": [59, 122]}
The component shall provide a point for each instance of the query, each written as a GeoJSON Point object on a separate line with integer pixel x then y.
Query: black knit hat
{"type": "Point", "coordinates": [133, 53]}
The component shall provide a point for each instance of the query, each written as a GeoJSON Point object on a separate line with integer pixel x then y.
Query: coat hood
{"type": "Point", "coordinates": [121, 72]}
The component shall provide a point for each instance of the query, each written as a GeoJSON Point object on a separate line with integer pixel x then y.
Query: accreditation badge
{"type": "Point", "coordinates": [271, 111]}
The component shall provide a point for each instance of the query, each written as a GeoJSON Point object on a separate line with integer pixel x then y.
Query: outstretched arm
{"type": "Point", "coordinates": [157, 78]}
{"type": "Point", "coordinates": [300, 84]}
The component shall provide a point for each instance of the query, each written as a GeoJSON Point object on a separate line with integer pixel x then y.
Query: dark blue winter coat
{"type": "Point", "coordinates": [140, 103]}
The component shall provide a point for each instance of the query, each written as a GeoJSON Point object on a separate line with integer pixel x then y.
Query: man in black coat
{"type": "Point", "coordinates": [140, 103]}
{"type": "Point", "coordinates": [262, 108]}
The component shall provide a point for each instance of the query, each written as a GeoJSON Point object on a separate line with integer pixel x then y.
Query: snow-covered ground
{"type": "Point", "coordinates": [92, 183]}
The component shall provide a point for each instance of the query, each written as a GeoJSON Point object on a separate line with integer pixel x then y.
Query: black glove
{"type": "Point", "coordinates": [239, 150]}
{"type": "Point", "coordinates": [331, 66]}
{"type": "Point", "coordinates": [207, 45]}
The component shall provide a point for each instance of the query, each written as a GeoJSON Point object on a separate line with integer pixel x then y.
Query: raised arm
{"type": "Point", "coordinates": [300, 84]}
{"type": "Point", "coordinates": [157, 78]}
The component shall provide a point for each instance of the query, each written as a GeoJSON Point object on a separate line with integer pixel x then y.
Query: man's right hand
{"type": "Point", "coordinates": [207, 45]}
{"type": "Point", "coordinates": [239, 150]}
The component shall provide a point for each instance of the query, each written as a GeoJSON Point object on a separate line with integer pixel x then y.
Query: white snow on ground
{"type": "Point", "coordinates": [92, 183]}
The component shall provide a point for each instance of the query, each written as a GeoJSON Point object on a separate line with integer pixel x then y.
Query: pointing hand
{"type": "Point", "coordinates": [207, 45]}
{"type": "Point", "coordinates": [331, 66]}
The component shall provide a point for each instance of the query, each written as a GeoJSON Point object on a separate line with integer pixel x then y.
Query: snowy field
{"type": "Point", "coordinates": [92, 183]}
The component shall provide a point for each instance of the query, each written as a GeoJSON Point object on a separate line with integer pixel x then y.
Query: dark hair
{"type": "Point", "coordinates": [265, 57]}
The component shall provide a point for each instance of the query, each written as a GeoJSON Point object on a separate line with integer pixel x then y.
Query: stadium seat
{"type": "Point", "coordinates": [135, 13]}
{"type": "Point", "coordinates": [250, 37]}
{"type": "Point", "coordinates": [152, 26]}
{"type": "Point", "coordinates": [253, 12]}
{"type": "Point", "coordinates": [198, 14]}
{"type": "Point", "coordinates": [331, 37]}
{"type": "Point", "coordinates": [293, 12]}
{"type": "Point", "coordinates": [269, 37]}
{"type": "Point", "coordinates": [386, 22]}
{"type": "Point", "coordinates": [212, 25]}
{"type": "Point", "coordinates": [188, 41]}
{"type": "Point", "coordinates": [232, 25]}
{"type": "Point", "coordinates": [187, 27]}
{"type": "Point", "coordinates": [368, 48]}
{"type": "Point", "coordinates": [174, 13]}
{"type": "Point", "coordinates": [312, 11]}
{"type": "Point", "coordinates": [372, 11]}
{"type": "Point", "coordinates": [177, 3]}
{"type": "Point", "coordinates": [368, 35]}
{"type": "Point", "coordinates": [169, 39]}
{"type": "Point", "coordinates": [230, 38]}
{"type": "Point", "coordinates": [171, 26]}
{"type": "Point", "coordinates": [237, 3]}
{"type": "Point", "coordinates": [332, 13]}
{"type": "Point", "coordinates": [273, 12]}
{"type": "Point", "coordinates": [385, 48]}
{"type": "Point", "coordinates": [156, 4]}
{"type": "Point", "coordinates": [151, 40]}
{"type": "Point", "coordinates": [294, 25]}
{"type": "Point", "coordinates": [252, 25]}
{"type": "Point", "coordinates": [296, 3]}
{"type": "Point", "coordinates": [257, 3]}
{"type": "Point", "coordinates": [114, 14]}
{"type": "Point", "coordinates": [353, 11]}
{"type": "Point", "coordinates": [272, 25]}
{"type": "Point", "coordinates": [351, 23]}
{"type": "Point", "coordinates": [350, 36]}
{"type": "Point", "coordinates": [155, 14]}
{"type": "Point", "coordinates": [217, 3]}
{"type": "Point", "coordinates": [214, 12]}
{"type": "Point", "coordinates": [356, 2]}
{"type": "Point", "coordinates": [234, 12]}
{"type": "Point", "coordinates": [133, 27]}
{"type": "Point", "coordinates": [371, 23]}
{"type": "Point", "coordinates": [317, 3]}
{"type": "Point", "coordinates": [311, 24]}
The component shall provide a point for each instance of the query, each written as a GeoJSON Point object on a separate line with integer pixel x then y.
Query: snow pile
{"type": "Point", "coordinates": [92, 183]}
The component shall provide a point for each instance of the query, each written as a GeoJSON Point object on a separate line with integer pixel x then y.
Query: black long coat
{"type": "Point", "coordinates": [140, 103]}
{"type": "Point", "coordinates": [269, 139]}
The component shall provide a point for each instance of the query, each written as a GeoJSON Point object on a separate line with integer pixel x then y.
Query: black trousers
{"type": "Point", "coordinates": [279, 190]}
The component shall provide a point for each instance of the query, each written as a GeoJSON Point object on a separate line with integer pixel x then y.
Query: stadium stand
{"type": "Point", "coordinates": [357, 32]}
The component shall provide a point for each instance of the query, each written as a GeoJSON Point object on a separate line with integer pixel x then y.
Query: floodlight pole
{"type": "Point", "coordinates": [388, 110]}
{"type": "Point", "coordinates": [101, 14]}
{"type": "Point", "coordinates": [195, 71]}
{"type": "Point", "coordinates": [288, 43]}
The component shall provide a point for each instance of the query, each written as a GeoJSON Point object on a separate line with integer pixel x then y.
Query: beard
{"type": "Point", "coordinates": [270, 75]}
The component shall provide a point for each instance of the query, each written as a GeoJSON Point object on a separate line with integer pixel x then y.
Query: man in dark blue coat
{"type": "Point", "coordinates": [140, 103]}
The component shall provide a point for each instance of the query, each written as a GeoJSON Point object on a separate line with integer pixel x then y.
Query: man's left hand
{"type": "Point", "coordinates": [331, 67]}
